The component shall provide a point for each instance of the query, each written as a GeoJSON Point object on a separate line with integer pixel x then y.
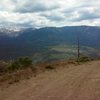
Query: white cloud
{"type": "Point", "coordinates": [40, 13]}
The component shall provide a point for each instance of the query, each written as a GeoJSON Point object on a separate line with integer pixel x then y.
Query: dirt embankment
{"type": "Point", "coordinates": [70, 82]}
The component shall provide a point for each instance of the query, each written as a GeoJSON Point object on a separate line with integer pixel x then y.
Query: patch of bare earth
{"type": "Point", "coordinates": [71, 82]}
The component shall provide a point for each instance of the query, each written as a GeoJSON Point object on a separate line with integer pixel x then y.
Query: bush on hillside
{"type": "Point", "coordinates": [3, 66]}
{"type": "Point", "coordinates": [25, 61]}
{"type": "Point", "coordinates": [84, 59]}
{"type": "Point", "coordinates": [20, 63]}
{"type": "Point", "coordinates": [49, 67]}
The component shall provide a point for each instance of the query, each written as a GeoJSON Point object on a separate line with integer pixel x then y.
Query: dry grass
{"type": "Point", "coordinates": [11, 77]}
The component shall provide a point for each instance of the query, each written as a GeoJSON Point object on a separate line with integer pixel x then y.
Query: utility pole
{"type": "Point", "coordinates": [78, 47]}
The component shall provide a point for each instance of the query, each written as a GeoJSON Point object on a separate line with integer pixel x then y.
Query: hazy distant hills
{"type": "Point", "coordinates": [34, 42]}
{"type": "Point", "coordinates": [89, 36]}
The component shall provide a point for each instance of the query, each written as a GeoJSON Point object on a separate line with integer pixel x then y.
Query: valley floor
{"type": "Point", "coordinates": [71, 82]}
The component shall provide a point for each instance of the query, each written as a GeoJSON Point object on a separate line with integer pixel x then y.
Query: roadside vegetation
{"type": "Point", "coordinates": [84, 59]}
{"type": "Point", "coordinates": [23, 68]}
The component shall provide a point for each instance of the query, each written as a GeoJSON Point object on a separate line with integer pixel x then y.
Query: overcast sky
{"type": "Point", "coordinates": [45, 13]}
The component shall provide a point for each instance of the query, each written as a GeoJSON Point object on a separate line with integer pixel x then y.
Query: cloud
{"type": "Point", "coordinates": [86, 14]}
{"type": "Point", "coordinates": [20, 19]}
{"type": "Point", "coordinates": [29, 7]}
{"type": "Point", "coordinates": [41, 13]}
{"type": "Point", "coordinates": [53, 16]}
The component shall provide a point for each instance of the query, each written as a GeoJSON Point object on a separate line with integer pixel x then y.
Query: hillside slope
{"type": "Point", "coordinates": [33, 42]}
{"type": "Point", "coordinates": [80, 82]}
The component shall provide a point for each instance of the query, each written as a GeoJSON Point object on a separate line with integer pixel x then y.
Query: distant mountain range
{"type": "Point", "coordinates": [30, 41]}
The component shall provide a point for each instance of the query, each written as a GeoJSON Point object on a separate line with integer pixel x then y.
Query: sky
{"type": "Point", "coordinates": [49, 13]}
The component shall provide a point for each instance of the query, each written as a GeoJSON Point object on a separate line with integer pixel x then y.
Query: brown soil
{"type": "Point", "coordinates": [71, 82]}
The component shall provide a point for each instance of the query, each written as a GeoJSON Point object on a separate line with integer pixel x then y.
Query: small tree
{"type": "Point", "coordinates": [25, 61]}
{"type": "Point", "coordinates": [20, 63]}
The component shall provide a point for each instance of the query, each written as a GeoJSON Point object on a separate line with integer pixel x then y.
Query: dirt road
{"type": "Point", "coordinates": [80, 82]}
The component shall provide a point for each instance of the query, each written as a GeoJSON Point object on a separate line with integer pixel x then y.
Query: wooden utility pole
{"type": "Point", "coordinates": [78, 47]}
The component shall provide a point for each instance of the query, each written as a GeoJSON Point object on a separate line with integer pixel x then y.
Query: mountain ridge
{"type": "Point", "coordinates": [31, 41]}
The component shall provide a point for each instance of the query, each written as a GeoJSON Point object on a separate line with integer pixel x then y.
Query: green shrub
{"type": "Point", "coordinates": [84, 59]}
{"type": "Point", "coordinates": [3, 66]}
{"type": "Point", "coordinates": [25, 61]}
{"type": "Point", "coordinates": [20, 63]}
{"type": "Point", "coordinates": [49, 67]}
{"type": "Point", "coordinates": [14, 66]}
